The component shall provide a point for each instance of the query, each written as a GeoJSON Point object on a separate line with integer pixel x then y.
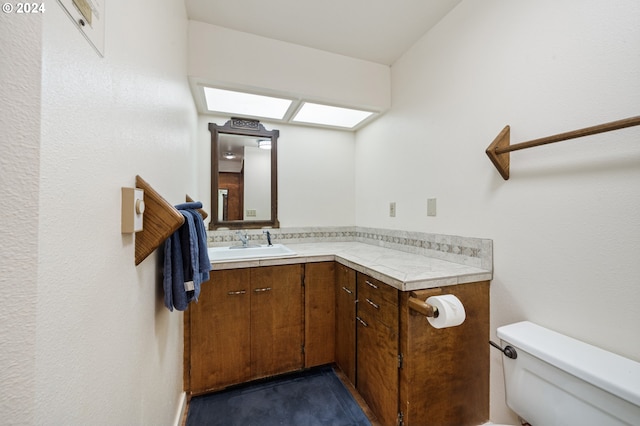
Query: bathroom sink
{"type": "Point", "coordinates": [251, 252]}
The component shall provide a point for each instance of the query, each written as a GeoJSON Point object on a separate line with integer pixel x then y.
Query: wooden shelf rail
{"type": "Point", "coordinates": [500, 148]}
{"type": "Point", "coordinates": [202, 212]}
{"type": "Point", "coordinates": [161, 220]}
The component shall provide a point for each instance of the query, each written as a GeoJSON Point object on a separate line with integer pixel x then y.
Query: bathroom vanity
{"type": "Point", "coordinates": [337, 303]}
{"type": "Point", "coordinates": [247, 324]}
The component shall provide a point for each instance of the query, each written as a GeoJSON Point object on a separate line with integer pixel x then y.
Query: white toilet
{"type": "Point", "coordinates": [557, 380]}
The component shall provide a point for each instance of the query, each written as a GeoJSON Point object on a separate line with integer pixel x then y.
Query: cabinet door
{"type": "Point", "coordinates": [377, 379]}
{"type": "Point", "coordinates": [450, 365]}
{"type": "Point", "coordinates": [345, 332]}
{"type": "Point", "coordinates": [319, 312]}
{"type": "Point", "coordinates": [378, 347]}
{"type": "Point", "coordinates": [277, 322]}
{"type": "Point", "coordinates": [219, 332]}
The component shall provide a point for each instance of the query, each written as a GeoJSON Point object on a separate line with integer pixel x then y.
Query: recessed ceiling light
{"type": "Point", "coordinates": [229, 155]}
{"type": "Point", "coordinates": [330, 115]}
{"type": "Point", "coordinates": [241, 103]}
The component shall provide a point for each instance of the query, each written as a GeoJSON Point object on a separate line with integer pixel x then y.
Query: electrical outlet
{"type": "Point", "coordinates": [431, 207]}
{"type": "Point", "coordinates": [392, 209]}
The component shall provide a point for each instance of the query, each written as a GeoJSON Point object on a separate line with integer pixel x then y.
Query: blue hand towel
{"type": "Point", "coordinates": [186, 259]}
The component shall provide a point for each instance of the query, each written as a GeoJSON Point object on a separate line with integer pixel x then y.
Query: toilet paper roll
{"type": "Point", "coordinates": [450, 311]}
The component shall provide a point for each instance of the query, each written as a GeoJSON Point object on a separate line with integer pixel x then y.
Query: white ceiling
{"type": "Point", "coordinates": [373, 30]}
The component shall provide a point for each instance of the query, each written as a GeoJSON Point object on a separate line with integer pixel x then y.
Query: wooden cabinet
{"type": "Point", "coordinates": [444, 380]}
{"type": "Point", "coordinates": [319, 312]}
{"type": "Point", "coordinates": [377, 347]}
{"type": "Point", "coordinates": [413, 374]}
{"type": "Point", "coordinates": [345, 320]}
{"type": "Point", "coordinates": [247, 324]}
{"type": "Point", "coordinates": [277, 337]}
{"type": "Point", "coordinates": [218, 350]}
{"type": "Point", "coordinates": [254, 322]}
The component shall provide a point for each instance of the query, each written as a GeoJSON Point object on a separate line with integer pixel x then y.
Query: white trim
{"type": "Point", "coordinates": [182, 405]}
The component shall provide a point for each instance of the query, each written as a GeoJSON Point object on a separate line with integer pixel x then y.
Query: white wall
{"type": "Point", "coordinates": [92, 342]}
{"type": "Point", "coordinates": [566, 226]}
{"type": "Point", "coordinates": [316, 176]}
{"type": "Point", "coordinates": [20, 67]}
{"type": "Point", "coordinates": [240, 60]}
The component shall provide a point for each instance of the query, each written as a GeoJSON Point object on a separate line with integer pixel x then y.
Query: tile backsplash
{"type": "Point", "coordinates": [286, 235]}
{"type": "Point", "coordinates": [469, 251]}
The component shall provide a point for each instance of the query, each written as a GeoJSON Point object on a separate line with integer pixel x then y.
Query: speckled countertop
{"type": "Point", "coordinates": [399, 269]}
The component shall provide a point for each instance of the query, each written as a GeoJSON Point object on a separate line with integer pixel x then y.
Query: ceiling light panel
{"type": "Point", "coordinates": [240, 103]}
{"type": "Point", "coordinates": [330, 115]}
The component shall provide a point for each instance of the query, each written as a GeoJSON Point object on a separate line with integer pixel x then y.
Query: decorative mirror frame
{"type": "Point", "coordinates": [243, 127]}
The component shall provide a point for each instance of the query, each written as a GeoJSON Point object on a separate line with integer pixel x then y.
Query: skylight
{"type": "Point", "coordinates": [330, 115]}
{"type": "Point", "coordinates": [280, 107]}
{"type": "Point", "coordinates": [240, 103]}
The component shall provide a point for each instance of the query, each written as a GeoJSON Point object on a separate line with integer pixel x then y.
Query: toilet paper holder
{"type": "Point", "coordinates": [423, 308]}
{"type": "Point", "coordinates": [440, 310]}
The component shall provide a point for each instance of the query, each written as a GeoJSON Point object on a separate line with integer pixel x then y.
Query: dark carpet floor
{"type": "Point", "coordinates": [313, 397]}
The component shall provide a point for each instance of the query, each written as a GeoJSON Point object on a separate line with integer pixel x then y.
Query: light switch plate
{"type": "Point", "coordinates": [132, 210]}
{"type": "Point", "coordinates": [392, 209]}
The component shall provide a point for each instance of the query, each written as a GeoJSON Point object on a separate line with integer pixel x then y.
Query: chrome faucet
{"type": "Point", "coordinates": [244, 238]}
{"type": "Point", "coordinates": [268, 237]}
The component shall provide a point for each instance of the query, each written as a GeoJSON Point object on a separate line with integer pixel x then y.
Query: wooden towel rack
{"type": "Point", "coordinates": [500, 148]}
{"type": "Point", "coordinates": [203, 213]}
{"type": "Point", "coordinates": [161, 220]}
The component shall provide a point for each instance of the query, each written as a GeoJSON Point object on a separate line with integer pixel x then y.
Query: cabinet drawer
{"type": "Point", "coordinates": [377, 289]}
{"type": "Point", "coordinates": [379, 309]}
{"type": "Point", "coordinates": [379, 300]}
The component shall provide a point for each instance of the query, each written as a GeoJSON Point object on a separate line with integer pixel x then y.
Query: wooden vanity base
{"type": "Point", "coordinates": [263, 321]}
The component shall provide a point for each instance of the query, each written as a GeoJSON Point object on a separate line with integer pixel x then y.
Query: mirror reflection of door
{"type": "Point", "coordinates": [233, 184]}
{"type": "Point", "coordinates": [223, 204]}
{"type": "Point", "coordinates": [245, 173]}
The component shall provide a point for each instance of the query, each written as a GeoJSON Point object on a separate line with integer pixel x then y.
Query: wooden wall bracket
{"type": "Point", "coordinates": [161, 220]}
{"type": "Point", "coordinates": [501, 161]}
{"type": "Point", "coordinates": [498, 151]}
{"type": "Point", "coordinates": [202, 212]}
{"type": "Point", "coordinates": [417, 304]}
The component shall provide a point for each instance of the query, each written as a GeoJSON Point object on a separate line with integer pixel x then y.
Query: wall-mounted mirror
{"type": "Point", "coordinates": [244, 187]}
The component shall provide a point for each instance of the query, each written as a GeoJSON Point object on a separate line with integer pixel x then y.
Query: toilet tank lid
{"type": "Point", "coordinates": [606, 370]}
